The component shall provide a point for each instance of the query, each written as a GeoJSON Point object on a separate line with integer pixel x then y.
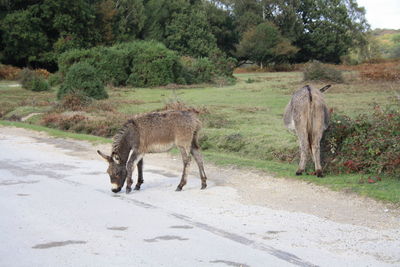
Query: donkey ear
{"type": "Point", "coordinates": [107, 158]}
{"type": "Point", "coordinates": [326, 87]}
{"type": "Point", "coordinates": [116, 158]}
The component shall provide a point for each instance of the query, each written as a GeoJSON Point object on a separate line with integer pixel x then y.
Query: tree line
{"type": "Point", "coordinates": [35, 32]}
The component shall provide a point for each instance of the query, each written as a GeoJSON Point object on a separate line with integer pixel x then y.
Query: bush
{"type": "Point", "coordinates": [75, 101]}
{"type": "Point", "coordinates": [223, 65]}
{"type": "Point", "coordinates": [9, 72]}
{"type": "Point", "coordinates": [33, 81]}
{"type": "Point", "coordinates": [139, 63]}
{"type": "Point", "coordinates": [369, 144]}
{"type": "Point", "coordinates": [153, 65]}
{"type": "Point", "coordinates": [387, 71]}
{"type": "Point", "coordinates": [39, 84]}
{"type": "Point", "coordinates": [316, 71]}
{"type": "Point", "coordinates": [199, 70]}
{"type": "Point", "coordinates": [55, 79]}
{"type": "Point", "coordinates": [83, 80]}
{"type": "Point", "coordinates": [111, 64]}
{"type": "Point", "coordinates": [147, 63]}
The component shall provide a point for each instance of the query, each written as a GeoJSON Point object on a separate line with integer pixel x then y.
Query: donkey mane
{"type": "Point", "coordinates": [119, 136]}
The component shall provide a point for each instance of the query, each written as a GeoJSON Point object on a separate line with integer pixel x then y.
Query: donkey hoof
{"type": "Point", "coordinates": [299, 172]}
{"type": "Point", "coordinates": [137, 187]}
{"type": "Point", "coordinates": [203, 186]}
{"type": "Point", "coordinates": [178, 189]}
{"type": "Point", "coordinates": [319, 173]}
{"type": "Point", "coordinates": [128, 190]}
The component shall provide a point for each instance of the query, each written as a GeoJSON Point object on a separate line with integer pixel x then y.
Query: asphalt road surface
{"type": "Point", "coordinates": [57, 209]}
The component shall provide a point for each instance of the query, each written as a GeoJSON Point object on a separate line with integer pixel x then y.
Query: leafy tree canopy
{"type": "Point", "coordinates": [264, 44]}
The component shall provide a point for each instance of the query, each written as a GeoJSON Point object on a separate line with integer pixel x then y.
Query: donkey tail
{"type": "Point", "coordinates": [195, 140]}
{"type": "Point", "coordinates": [309, 92]}
{"type": "Point", "coordinates": [310, 118]}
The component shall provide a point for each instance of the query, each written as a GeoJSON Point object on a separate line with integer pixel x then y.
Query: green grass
{"type": "Point", "coordinates": [249, 112]}
{"type": "Point", "coordinates": [56, 133]}
{"type": "Point", "coordinates": [385, 190]}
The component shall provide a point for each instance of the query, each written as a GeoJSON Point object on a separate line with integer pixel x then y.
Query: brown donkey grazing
{"type": "Point", "coordinates": [153, 133]}
{"type": "Point", "coordinates": [308, 116]}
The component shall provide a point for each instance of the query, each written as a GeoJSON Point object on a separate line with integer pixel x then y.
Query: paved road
{"type": "Point", "coordinates": [56, 209]}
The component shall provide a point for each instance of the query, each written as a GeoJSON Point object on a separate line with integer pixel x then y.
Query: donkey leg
{"type": "Point", "coordinates": [316, 153]}
{"type": "Point", "coordinates": [186, 158]}
{"type": "Point", "coordinates": [140, 175]}
{"type": "Point", "coordinates": [304, 146]}
{"type": "Point", "coordinates": [130, 167]}
{"type": "Point", "coordinates": [199, 160]}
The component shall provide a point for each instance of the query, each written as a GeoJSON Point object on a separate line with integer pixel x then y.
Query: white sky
{"type": "Point", "coordinates": [382, 13]}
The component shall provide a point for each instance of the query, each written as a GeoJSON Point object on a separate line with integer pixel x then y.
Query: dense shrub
{"type": "Point", "coordinates": [137, 63]}
{"type": "Point", "coordinates": [42, 73]}
{"type": "Point", "coordinates": [147, 63]}
{"type": "Point", "coordinates": [25, 77]}
{"type": "Point", "coordinates": [368, 144]}
{"type": "Point", "coordinates": [316, 71]}
{"type": "Point", "coordinates": [33, 81]}
{"type": "Point", "coordinates": [9, 72]}
{"type": "Point", "coordinates": [199, 70]}
{"type": "Point", "coordinates": [55, 79]}
{"type": "Point", "coordinates": [154, 65]}
{"type": "Point", "coordinates": [111, 64]}
{"type": "Point", "coordinates": [223, 64]}
{"type": "Point", "coordinates": [389, 71]}
{"type": "Point", "coordinates": [83, 79]}
{"type": "Point", "coordinates": [39, 84]}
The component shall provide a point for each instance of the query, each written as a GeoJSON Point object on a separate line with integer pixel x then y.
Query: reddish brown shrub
{"type": "Point", "coordinates": [42, 72]}
{"type": "Point", "coordinates": [9, 72]}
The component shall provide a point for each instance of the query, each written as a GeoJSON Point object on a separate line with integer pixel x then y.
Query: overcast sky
{"type": "Point", "coordinates": [382, 13]}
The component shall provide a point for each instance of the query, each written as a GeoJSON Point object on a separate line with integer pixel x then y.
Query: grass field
{"type": "Point", "coordinates": [242, 123]}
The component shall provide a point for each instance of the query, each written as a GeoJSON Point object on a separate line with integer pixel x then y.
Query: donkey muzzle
{"type": "Point", "coordinates": [115, 188]}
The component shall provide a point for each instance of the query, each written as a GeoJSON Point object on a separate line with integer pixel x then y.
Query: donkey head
{"type": "Point", "coordinates": [116, 170]}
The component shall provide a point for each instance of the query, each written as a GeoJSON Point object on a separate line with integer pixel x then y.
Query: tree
{"type": "Point", "coordinates": [188, 33]}
{"type": "Point", "coordinates": [34, 32]}
{"type": "Point", "coordinates": [222, 26]}
{"type": "Point", "coordinates": [130, 19]}
{"type": "Point", "coordinates": [23, 40]}
{"type": "Point", "coordinates": [322, 29]}
{"type": "Point", "coordinates": [331, 28]}
{"type": "Point", "coordinates": [105, 17]}
{"type": "Point", "coordinates": [158, 15]}
{"type": "Point", "coordinates": [264, 44]}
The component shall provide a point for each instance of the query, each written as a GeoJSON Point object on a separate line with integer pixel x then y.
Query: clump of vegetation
{"type": "Point", "coordinates": [199, 70]}
{"type": "Point", "coordinates": [368, 144]}
{"type": "Point", "coordinates": [386, 71]}
{"type": "Point", "coordinates": [232, 143]}
{"type": "Point", "coordinates": [153, 64]}
{"type": "Point", "coordinates": [9, 72]}
{"type": "Point", "coordinates": [75, 101]}
{"type": "Point", "coordinates": [147, 64]}
{"type": "Point", "coordinates": [33, 81]}
{"type": "Point", "coordinates": [55, 79]}
{"type": "Point", "coordinates": [82, 80]}
{"type": "Point", "coordinates": [316, 71]}
{"type": "Point", "coordinates": [107, 126]}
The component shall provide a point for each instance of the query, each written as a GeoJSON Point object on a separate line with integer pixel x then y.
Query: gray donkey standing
{"type": "Point", "coordinates": [153, 133]}
{"type": "Point", "coordinates": [308, 116]}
